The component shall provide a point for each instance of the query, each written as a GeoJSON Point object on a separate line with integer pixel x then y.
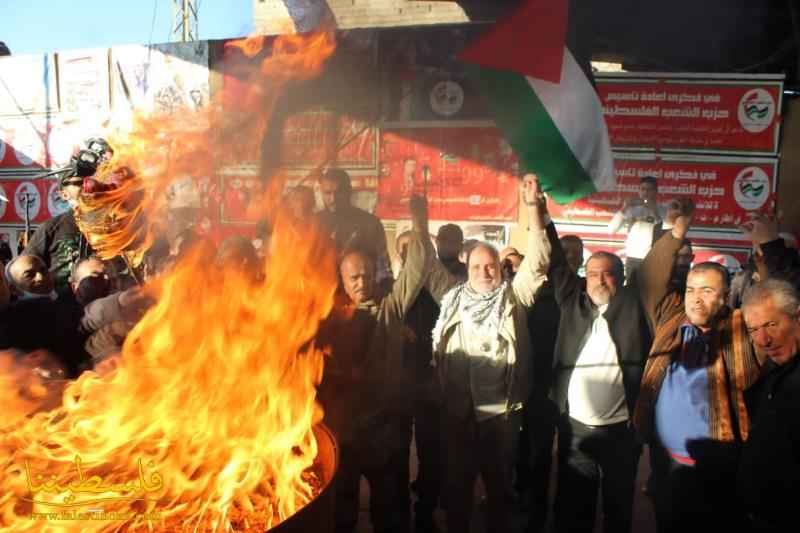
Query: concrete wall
{"type": "Point", "coordinates": [280, 16]}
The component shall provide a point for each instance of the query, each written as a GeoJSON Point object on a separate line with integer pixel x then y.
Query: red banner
{"type": "Point", "coordinates": [42, 198]}
{"type": "Point", "coordinates": [467, 174]}
{"type": "Point", "coordinates": [733, 258]}
{"type": "Point", "coordinates": [724, 189]}
{"type": "Point", "coordinates": [701, 115]}
{"type": "Point", "coordinates": [315, 137]}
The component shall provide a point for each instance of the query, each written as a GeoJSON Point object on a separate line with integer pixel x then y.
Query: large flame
{"type": "Point", "coordinates": [206, 421]}
{"type": "Point", "coordinates": [214, 393]}
{"type": "Point", "coordinates": [160, 150]}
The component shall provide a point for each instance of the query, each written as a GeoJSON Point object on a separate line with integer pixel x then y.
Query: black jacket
{"type": "Point", "coordinates": [627, 323]}
{"type": "Point", "coordinates": [420, 320]}
{"type": "Point", "coordinates": [543, 320]}
{"type": "Point", "coordinates": [60, 244]}
{"type": "Point", "coordinates": [769, 467]}
{"type": "Point", "coordinates": [44, 324]}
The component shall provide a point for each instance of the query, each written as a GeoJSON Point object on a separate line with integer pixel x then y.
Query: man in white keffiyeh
{"type": "Point", "coordinates": [482, 353]}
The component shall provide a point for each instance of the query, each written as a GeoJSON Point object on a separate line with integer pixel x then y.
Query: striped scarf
{"type": "Point", "coordinates": [732, 369]}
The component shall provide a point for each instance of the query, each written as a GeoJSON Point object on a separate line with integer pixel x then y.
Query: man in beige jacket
{"type": "Point", "coordinates": [483, 353]}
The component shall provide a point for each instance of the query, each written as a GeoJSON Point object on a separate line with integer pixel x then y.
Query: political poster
{"type": "Point", "coordinates": [726, 191]}
{"type": "Point", "coordinates": [467, 174]}
{"type": "Point", "coordinates": [692, 113]}
{"type": "Point", "coordinates": [83, 82]}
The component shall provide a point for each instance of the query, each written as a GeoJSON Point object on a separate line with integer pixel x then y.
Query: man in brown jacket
{"type": "Point", "coordinates": [691, 409]}
{"type": "Point", "coordinates": [365, 388]}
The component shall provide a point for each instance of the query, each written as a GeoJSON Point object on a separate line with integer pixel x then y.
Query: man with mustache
{"type": "Point", "coordinates": [365, 389]}
{"type": "Point", "coordinates": [691, 409]}
{"type": "Point", "coordinates": [482, 352]}
{"type": "Point", "coordinates": [602, 343]}
{"type": "Point", "coordinates": [769, 468]}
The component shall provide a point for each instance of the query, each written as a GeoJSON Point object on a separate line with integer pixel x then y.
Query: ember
{"type": "Point", "coordinates": [205, 424]}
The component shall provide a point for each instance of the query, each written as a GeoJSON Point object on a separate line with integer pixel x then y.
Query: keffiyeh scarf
{"type": "Point", "coordinates": [481, 313]}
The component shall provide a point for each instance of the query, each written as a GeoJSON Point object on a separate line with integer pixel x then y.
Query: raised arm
{"type": "Point", "coordinates": [533, 270]}
{"type": "Point", "coordinates": [778, 260]}
{"type": "Point", "coordinates": [623, 217]}
{"type": "Point", "coordinates": [440, 280]}
{"type": "Point", "coordinates": [617, 221]}
{"type": "Point", "coordinates": [419, 262]}
{"type": "Point", "coordinates": [383, 270]}
{"type": "Point", "coordinates": [656, 271]}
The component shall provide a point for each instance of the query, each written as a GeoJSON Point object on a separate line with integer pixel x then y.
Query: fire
{"type": "Point", "coordinates": [160, 150]}
{"type": "Point", "coordinates": [205, 423]}
{"type": "Point", "coordinates": [27, 384]}
{"type": "Point", "coordinates": [215, 389]}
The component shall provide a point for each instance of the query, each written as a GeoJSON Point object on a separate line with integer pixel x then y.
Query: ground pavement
{"type": "Point", "coordinates": [643, 520]}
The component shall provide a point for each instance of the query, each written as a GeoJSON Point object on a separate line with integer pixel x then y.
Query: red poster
{"type": "Point", "coordinates": [41, 196]}
{"type": "Point", "coordinates": [239, 196]}
{"type": "Point", "coordinates": [467, 174]}
{"type": "Point", "coordinates": [699, 115]}
{"type": "Point", "coordinates": [733, 258]}
{"type": "Point", "coordinates": [314, 137]}
{"type": "Point", "coordinates": [724, 189]}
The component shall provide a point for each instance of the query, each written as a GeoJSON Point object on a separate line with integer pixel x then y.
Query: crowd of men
{"type": "Point", "coordinates": [487, 358]}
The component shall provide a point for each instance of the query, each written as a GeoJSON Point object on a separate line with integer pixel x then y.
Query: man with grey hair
{"type": "Point", "coordinates": [691, 409]}
{"type": "Point", "coordinates": [769, 467]}
{"type": "Point", "coordinates": [773, 255]}
{"type": "Point", "coordinates": [482, 352]}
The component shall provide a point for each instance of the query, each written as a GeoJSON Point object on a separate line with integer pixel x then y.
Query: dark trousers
{"type": "Point", "coordinates": [686, 496]}
{"type": "Point", "coordinates": [590, 457]}
{"type": "Point", "coordinates": [389, 500]}
{"type": "Point", "coordinates": [536, 459]}
{"type": "Point", "coordinates": [427, 429]}
{"type": "Point", "coordinates": [486, 448]}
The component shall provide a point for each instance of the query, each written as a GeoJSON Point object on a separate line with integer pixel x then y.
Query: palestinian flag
{"type": "Point", "coordinates": [544, 101]}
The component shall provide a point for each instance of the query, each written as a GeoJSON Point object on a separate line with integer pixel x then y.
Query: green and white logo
{"type": "Point", "coordinates": [751, 188]}
{"type": "Point", "coordinates": [756, 110]}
